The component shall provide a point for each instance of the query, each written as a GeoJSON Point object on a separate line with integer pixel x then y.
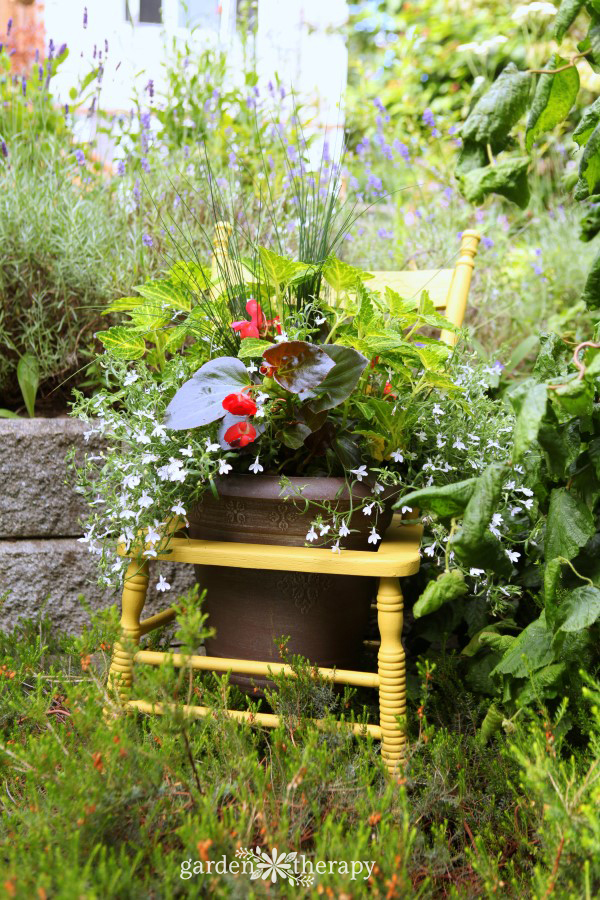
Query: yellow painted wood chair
{"type": "Point", "coordinates": [397, 557]}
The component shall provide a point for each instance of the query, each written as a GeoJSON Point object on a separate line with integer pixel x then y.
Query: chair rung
{"type": "Point", "coordinates": [161, 618]}
{"type": "Point", "coordinates": [267, 719]}
{"type": "Point", "coordinates": [250, 667]}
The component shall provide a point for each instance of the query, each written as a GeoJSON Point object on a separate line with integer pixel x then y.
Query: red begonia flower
{"type": "Point", "coordinates": [240, 435]}
{"type": "Point", "coordinates": [388, 388]}
{"type": "Point", "coordinates": [245, 328]}
{"type": "Point", "coordinates": [239, 404]}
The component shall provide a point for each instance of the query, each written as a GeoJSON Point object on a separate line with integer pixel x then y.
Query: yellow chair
{"type": "Point", "coordinates": [397, 556]}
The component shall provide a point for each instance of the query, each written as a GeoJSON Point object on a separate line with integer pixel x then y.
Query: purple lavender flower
{"type": "Point", "coordinates": [375, 182]}
{"type": "Point", "coordinates": [147, 241]}
{"type": "Point", "coordinates": [145, 164]}
{"type": "Point", "coordinates": [145, 120]}
{"type": "Point", "coordinates": [487, 242]}
{"type": "Point", "coordinates": [105, 45]}
{"type": "Point", "coordinates": [62, 49]}
{"type": "Point", "coordinates": [429, 118]}
{"type": "Point", "coordinates": [9, 25]}
{"type": "Point", "coordinates": [538, 270]}
{"type": "Point", "coordinates": [136, 192]}
{"type": "Point", "coordinates": [85, 16]}
{"type": "Point", "coordinates": [385, 233]}
{"type": "Point", "coordinates": [4, 149]}
{"type": "Point", "coordinates": [121, 167]}
{"type": "Point", "coordinates": [36, 58]}
{"type": "Point", "coordinates": [66, 109]}
{"type": "Point", "coordinates": [80, 157]}
{"type": "Point", "coordinates": [41, 73]}
{"type": "Point", "coordinates": [24, 86]}
{"type": "Point", "coordinates": [50, 48]}
{"type": "Point", "coordinates": [150, 88]}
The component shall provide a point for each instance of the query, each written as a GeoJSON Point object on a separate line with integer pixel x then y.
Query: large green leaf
{"type": "Point", "coordinates": [193, 275]}
{"type": "Point", "coordinates": [508, 178]}
{"type": "Point", "coordinates": [200, 400]}
{"type": "Point", "coordinates": [553, 99]}
{"type": "Point", "coordinates": [278, 270]}
{"type": "Point", "coordinates": [498, 110]}
{"type": "Point", "coordinates": [123, 304]}
{"type": "Point", "coordinates": [531, 650]}
{"type": "Point", "coordinates": [589, 167]}
{"type": "Point", "coordinates": [447, 501]}
{"type": "Point", "coordinates": [166, 294]}
{"type": "Point", "coordinates": [591, 291]}
{"type": "Point", "coordinates": [28, 376]}
{"type": "Point", "coordinates": [580, 609]}
{"type": "Point", "coordinates": [474, 544]}
{"type": "Point", "coordinates": [471, 156]}
{"type": "Point", "coordinates": [569, 527]}
{"type": "Point", "coordinates": [342, 277]}
{"type": "Point", "coordinates": [447, 587]}
{"type": "Point", "coordinates": [250, 348]}
{"type": "Point", "coordinates": [529, 420]}
{"type": "Point", "coordinates": [122, 342]}
{"type": "Point", "coordinates": [341, 380]}
{"type": "Point", "coordinates": [566, 15]}
{"type": "Point", "coordinates": [587, 123]}
{"type": "Point", "coordinates": [150, 316]}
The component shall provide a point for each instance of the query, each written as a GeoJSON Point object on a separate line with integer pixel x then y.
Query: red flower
{"type": "Point", "coordinates": [240, 435]}
{"type": "Point", "coordinates": [388, 389]}
{"type": "Point", "coordinates": [245, 329]}
{"type": "Point", "coordinates": [257, 321]}
{"type": "Point", "coordinates": [374, 361]}
{"type": "Point", "coordinates": [267, 371]}
{"type": "Point", "coordinates": [239, 404]}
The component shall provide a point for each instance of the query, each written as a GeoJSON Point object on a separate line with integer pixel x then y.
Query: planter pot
{"type": "Point", "coordinates": [325, 616]}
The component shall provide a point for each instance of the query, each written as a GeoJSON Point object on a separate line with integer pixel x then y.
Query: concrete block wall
{"type": "Point", "coordinates": [42, 563]}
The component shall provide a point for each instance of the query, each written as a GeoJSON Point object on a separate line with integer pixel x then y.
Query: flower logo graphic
{"type": "Point", "coordinates": [274, 866]}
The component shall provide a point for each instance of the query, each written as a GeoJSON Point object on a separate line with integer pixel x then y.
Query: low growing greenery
{"type": "Point", "coordinates": [96, 811]}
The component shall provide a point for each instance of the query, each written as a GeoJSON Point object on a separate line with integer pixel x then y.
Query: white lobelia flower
{"type": "Point", "coordinates": [130, 378]}
{"type": "Point", "coordinates": [368, 509]}
{"type": "Point", "coordinates": [128, 514]}
{"type": "Point", "coordinates": [344, 530]}
{"type": "Point", "coordinates": [260, 397]}
{"type": "Point", "coordinates": [429, 551]}
{"type": "Point", "coordinates": [320, 320]}
{"type": "Point", "coordinates": [256, 467]}
{"type": "Point", "coordinates": [406, 509]}
{"type": "Point", "coordinates": [187, 451]}
{"type": "Point", "coordinates": [360, 473]}
{"type": "Point", "coordinates": [224, 467]}
{"type": "Point", "coordinates": [526, 491]}
{"type": "Point", "coordinates": [252, 368]}
{"type": "Point", "coordinates": [150, 551]}
{"type": "Point", "coordinates": [324, 529]}
{"type": "Point", "coordinates": [374, 538]}
{"type": "Point", "coordinates": [260, 413]}
{"type": "Point", "coordinates": [397, 456]}
{"type": "Point", "coordinates": [378, 488]}
{"type": "Point", "coordinates": [280, 338]}
{"type": "Point", "coordinates": [312, 534]}
{"type": "Point", "coordinates": [476, 572]}
{"type": "Point", "coordinates": [153, 535]}
{"type": "Point", "coordinates": [140, 437]}
{"type": "Point", "coordinates": [458, 445]}
{"type": "Point", "coordinates": [437, 410]}
{"type": "Point", "coordinates": [497, 519]}
{"type": "Point", "coordinates": [149, 458]}
{"type": "Point", "coordinates": [515, 509]}
{"type": "Point", "coordinates": [162, 584]}
{"type": "Point", "coordinates": [336, 547]}
{"type": "Point", "coordinates": [131, 481]}
{"type": "Point", "coordinates": [87, 536]}
{"type": "Point", "coordinates": [509, 486]}
{"type": "Point", "coordinates": [210, 447]}
{"type": "Point", "coordinates": [178, 508]}
{"type": "Point", "coordinates": [520, 470]}
{"type": "Point", "coordinates": [159, 431]}
{"type": "Point", "coordinates": [527, 504]}
{"type": "Point", "coordinates": [145, 501]}
{"type": "Point", "coordinates": [512, 555]}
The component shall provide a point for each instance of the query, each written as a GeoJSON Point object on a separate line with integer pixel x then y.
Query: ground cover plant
{"type": "Point", "coordinates": [97, 811]}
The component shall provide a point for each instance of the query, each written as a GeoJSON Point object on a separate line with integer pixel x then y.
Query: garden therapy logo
{"type": "Point", "coordinates": [274, 866]}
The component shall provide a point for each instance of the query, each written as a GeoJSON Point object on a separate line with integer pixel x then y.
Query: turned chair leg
{"type": "Point", "coordinates": [392, 672]}
{"type": "Point", "coordinates": [120, 676]}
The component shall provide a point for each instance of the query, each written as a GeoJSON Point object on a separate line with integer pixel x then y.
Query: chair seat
{"type": "Point", "coordinates": [397, 556]}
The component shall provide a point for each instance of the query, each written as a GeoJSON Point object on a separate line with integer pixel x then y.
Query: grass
{"type": "Point", "coordinates": [94, 811]}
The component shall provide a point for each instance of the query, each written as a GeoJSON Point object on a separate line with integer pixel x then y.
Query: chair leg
{"type": "Point", "coordinates": [120, 676]}
{"type": "Point", "coordinates": [392, 672]}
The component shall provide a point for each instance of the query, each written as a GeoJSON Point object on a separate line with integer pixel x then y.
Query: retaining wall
{"type": "Point", "coordinates": [42, 564]}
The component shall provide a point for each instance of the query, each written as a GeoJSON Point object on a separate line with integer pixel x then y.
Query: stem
{"type": "Point", "coordinates": [563, 559]}
{"type": "Point", "coordinates": [568, 65]}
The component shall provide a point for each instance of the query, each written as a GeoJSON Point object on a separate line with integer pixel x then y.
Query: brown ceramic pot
{"type": "Point", "coordinates": [325, 616]}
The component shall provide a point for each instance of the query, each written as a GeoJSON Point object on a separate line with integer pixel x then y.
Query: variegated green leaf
{"type": "Point", "coordinates": [122, 342]}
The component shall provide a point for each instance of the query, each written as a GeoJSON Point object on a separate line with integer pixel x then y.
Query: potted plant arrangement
{"type": "Point", "coordinates": [267, 401]}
